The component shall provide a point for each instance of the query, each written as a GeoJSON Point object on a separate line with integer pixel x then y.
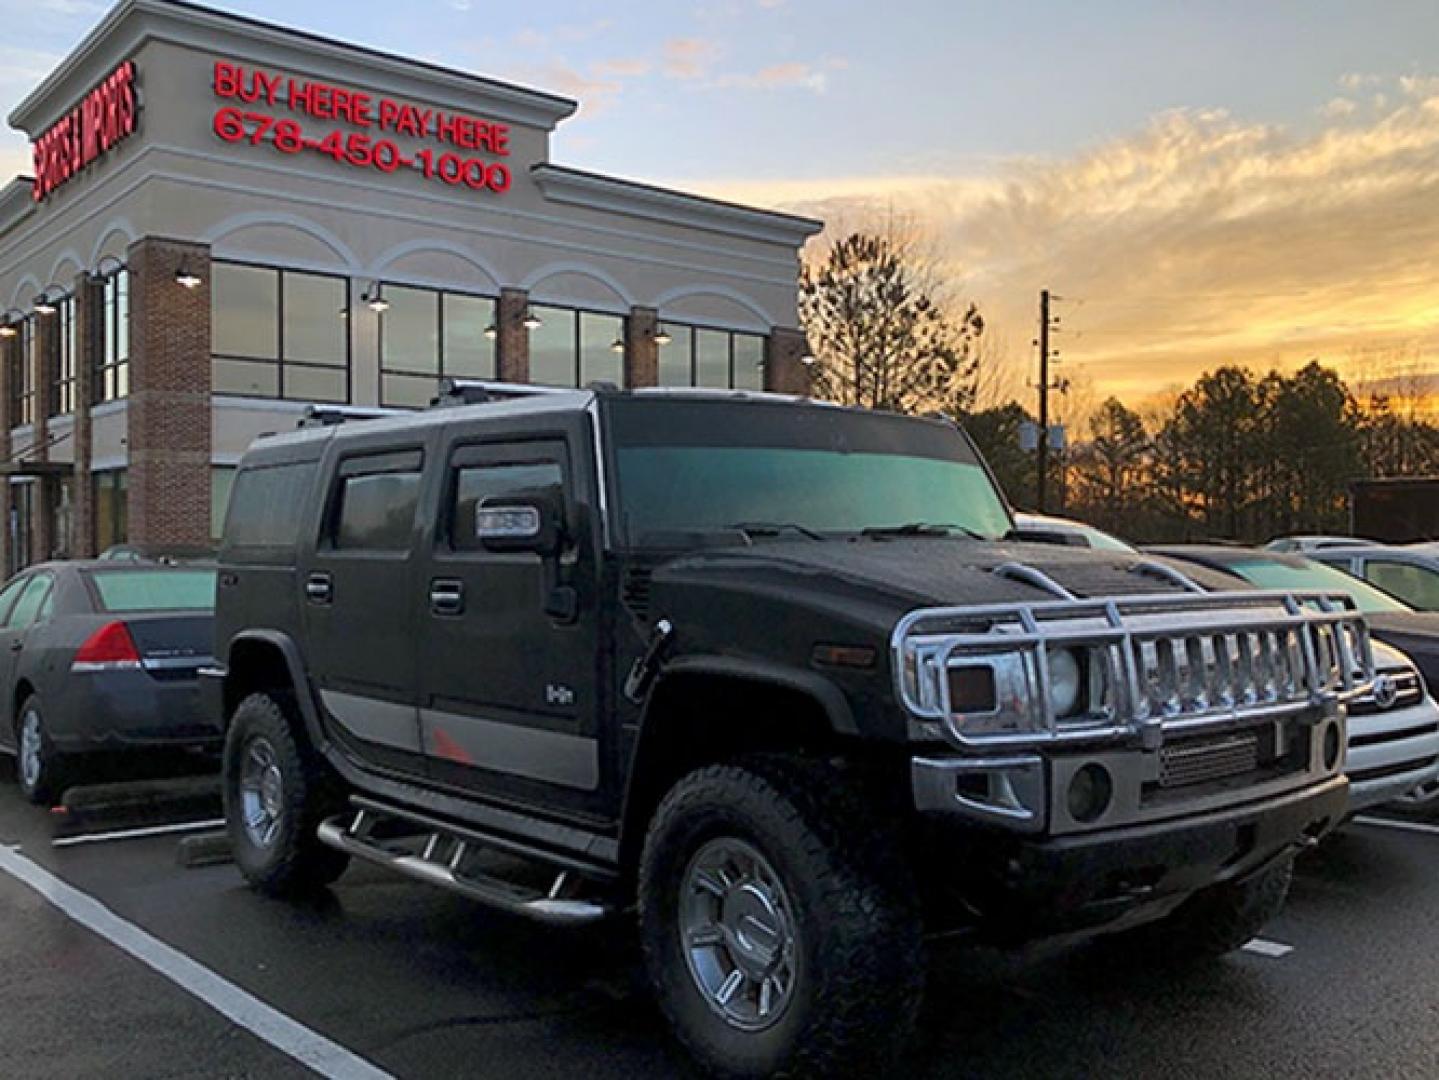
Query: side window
{"type": "Point", "coordinates": [267, 505]}
{"type": "Point", "coordinates": [476, 485]}
{"type": "Point", "coordinates": [376, 502]}
{"type": "Point", "coordinates": [1416, 585]}
{"type": "Point", "coordinates": [28, 608]}
{"type": "Point", "coordinates": [8, 595]}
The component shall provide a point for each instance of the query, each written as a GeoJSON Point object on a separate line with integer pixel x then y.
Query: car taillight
{"type": "Point", "coordinates": [110, 648]}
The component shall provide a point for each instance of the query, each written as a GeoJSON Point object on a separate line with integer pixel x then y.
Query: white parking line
{"type": "Point", "coordinates": [1272, 949]}
{"type": "Point", "coordinates": [135, 834]}
{"type": "Point", "coordinates": [1390, 823]}
{"type": "Point", "coordinates": [290, 1037]}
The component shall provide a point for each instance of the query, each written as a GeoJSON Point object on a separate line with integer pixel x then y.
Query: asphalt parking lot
{"type": "Point", "coordinates": [119, 962]}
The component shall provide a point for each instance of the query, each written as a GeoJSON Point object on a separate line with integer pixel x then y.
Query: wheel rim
{"type": "Point", "coordinates": [30, 749]}
{"type": "Point", "coordinates": [737, 930]}
{"type": "Point", "coordinates": [262, 788]}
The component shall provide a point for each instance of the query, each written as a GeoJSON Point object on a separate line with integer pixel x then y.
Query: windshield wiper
{"type": "Point", "coordinates": [921, 528]}
{"type": "Point", "coordinates": [773, 528]}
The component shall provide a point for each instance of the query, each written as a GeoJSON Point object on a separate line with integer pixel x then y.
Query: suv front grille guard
{"type": "Point", "coordinates": [1154, 664]}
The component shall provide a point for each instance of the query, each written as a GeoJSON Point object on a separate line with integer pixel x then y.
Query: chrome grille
{"type": "Point", "coordinates": [1197, 763]}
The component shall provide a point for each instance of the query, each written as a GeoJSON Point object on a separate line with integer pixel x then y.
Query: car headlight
{"type": "Point", "coordinates": [1066, 682]}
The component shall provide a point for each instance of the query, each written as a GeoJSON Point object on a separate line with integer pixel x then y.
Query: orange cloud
{"type": "Point", "coordinates": [1201, 239]}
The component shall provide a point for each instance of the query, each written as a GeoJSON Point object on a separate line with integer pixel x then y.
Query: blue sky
{"type": "Point", "coordinates": [1035, 143]}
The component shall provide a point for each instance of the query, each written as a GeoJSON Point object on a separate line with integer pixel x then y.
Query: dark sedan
{"type": "Point", "coordinates": [102, 656]}
{"type": "Point", "coordinates": [1415, 633]}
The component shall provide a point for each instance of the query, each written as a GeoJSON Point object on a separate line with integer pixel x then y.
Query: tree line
{"type": "Point", "coordinates": [1239, 455]}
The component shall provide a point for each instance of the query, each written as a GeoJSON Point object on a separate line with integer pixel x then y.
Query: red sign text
{"type": "Point", "coordinates": [105, 116]}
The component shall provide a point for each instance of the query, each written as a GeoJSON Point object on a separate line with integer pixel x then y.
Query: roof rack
{"type": "Point", "coordinates": [482, 391]}
{"type": "Point", "coordinates": [329, 415]}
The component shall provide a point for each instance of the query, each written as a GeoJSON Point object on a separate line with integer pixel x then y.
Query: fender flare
{"type": "Point", "coordinates": [782, 676]}
{"type": "Point", "coordinates": [289, 652]}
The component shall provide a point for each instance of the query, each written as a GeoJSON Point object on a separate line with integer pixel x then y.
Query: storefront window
{"type": "Point", "coordinates": [700, 356]}
{"type": "Point", "coordinates": [280, 333]}
{"type": "Point", "coordinates": [62, 516]}
{"type": "Point", "coordinates": [22, 514]}
{"type": "Point", "coordinates": [111, 509]}
{"type": "Point", "coordinates": [61, 364]}
{"type": "Point", "coordinates": [222, 479]}
{"type": "Point", "coordinates": [573, 348]}
{"type": "Point", "coordinates": [112, 365]}
{"type": "Point", "coordinates": [22, 389]}
{"type": "Point", "coordinates": [427, 335]}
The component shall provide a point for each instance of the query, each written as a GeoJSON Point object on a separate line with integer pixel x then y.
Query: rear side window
{"type": "Point", "coordinates": [124, 591]}
{"type": "Point", "coordinates": [28, 608]}
{"type": "Point", "coordinates": [1413, 584]}
{"type": "Point", "coordinates": [378, 496]}
{"type": "Point", "coordinates": [267, 505]}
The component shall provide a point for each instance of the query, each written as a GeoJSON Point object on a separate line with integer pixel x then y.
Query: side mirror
{"type": "Point", "coordinates": [523, 523]}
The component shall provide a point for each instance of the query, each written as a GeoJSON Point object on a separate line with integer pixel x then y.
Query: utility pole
{"type": "Point", "coordinates": [1042, 448]}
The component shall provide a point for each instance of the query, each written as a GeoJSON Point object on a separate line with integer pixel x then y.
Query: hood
{"type": "Point", "coordinates": [903, 573]}
{"type": "Point", "coordinates": [1414, 633]}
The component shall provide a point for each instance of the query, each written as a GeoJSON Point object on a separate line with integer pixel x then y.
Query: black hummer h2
{"type": "Point", "coordinates": [769, 671]}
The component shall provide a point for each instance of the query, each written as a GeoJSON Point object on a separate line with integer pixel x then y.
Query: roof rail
{"type": "Point", "coordinates": [329, 415]}
{"type": "Point", "coordinates": [480, 391]}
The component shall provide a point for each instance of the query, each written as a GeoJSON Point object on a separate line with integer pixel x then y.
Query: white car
{"type": "Point", "coordinates": [1393, 735]}
{"type": "Point", "coordinates": [1309, 544]}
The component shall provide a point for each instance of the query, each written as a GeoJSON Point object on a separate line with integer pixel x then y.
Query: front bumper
{"type": "Point", "coordinates": [1029, 887]}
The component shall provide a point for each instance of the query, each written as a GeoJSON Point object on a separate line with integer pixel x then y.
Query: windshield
{"type": "Point", "coordinates": [1268, 574]}
{"type": "Point", "coordinates": [154, 589]}
{"type": "Point", "coordinates": [687, 466]}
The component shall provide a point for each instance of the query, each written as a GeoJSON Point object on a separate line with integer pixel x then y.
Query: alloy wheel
{"type": "Point", "coordinates": [262, 793]}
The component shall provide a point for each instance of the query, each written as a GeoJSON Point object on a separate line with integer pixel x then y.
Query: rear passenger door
{"type": "Point", "coordinates": [357, 586]}
{"type": "Point", "coordinates": [510, 689]}
{"type": "Point", "coordinates": [1415, 584]}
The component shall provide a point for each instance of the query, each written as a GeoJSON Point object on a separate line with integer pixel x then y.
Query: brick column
{"type": "Point", "coordinates": [82, 495]}
{"type": "Point", "coordinates": [642, 352]}
{"type": "Point", "coordinates": [169, 406]}
{"type": "Point", "coordinates": [513, 361]}
{"type": "Point", "coordinates": [9, 347]}
{"type": "Point", "coordinates": [783, 371]}
{"type": "Point", "coordinates": [42, 378]}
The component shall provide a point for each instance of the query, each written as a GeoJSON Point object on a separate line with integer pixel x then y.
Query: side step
{"type": "Point", "coordinates": [441, 856]}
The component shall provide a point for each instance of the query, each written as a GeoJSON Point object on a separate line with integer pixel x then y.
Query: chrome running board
{"type": "Point", "coordinates": [440, 855]}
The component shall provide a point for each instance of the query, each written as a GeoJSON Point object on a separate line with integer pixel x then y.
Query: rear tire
{"type": "Point", "coordinates": [276, 793]}
{"type": "Point", "coordinates": [1213, 921]}
{"type": "Point", "coordinates": [772, 878]}
{"type": "Point", "coordinates": [41, 771]}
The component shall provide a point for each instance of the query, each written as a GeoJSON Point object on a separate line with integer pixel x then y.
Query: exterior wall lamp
{"type": "Point", "coordinates": [187, 278]}
{"type": "Point", "coordinates": [43, 305]}
{"type": "Point", "coordinates": [530, 321]}
{"type": "Point", "coordinates": [8, 321]}
{"type": "Point", "coordinates": [662, 335]}
{"type": "Point", "coordinates": [374, 298]}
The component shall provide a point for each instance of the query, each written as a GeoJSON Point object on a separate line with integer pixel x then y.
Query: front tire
{"type": "Point", "coordinates": [779, 923]}
{"type": "Point", "coordinates": [40, 769]}
{"type": "Point", "coordinates": [276, 794]}
{"type": "Point", "coordinates": [1214, 921]}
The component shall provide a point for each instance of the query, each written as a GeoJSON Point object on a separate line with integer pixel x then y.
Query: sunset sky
{"type": "Point", "coordinates": [1231, 181]}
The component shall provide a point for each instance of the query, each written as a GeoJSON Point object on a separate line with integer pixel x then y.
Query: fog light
{"type": "Point", "coordinates": [1089, 793]}
{"type": "Point", "coordinates": [1332, 747]}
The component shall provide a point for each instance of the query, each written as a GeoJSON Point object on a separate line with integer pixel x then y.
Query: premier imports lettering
{"type": "Point", "coordinates": [105, 116]}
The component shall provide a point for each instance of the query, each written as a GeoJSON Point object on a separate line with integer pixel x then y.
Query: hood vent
{"type": "Point", "coordinates": [635, 591]}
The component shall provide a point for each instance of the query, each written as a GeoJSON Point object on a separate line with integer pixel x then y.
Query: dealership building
{"type": "Point", "coordinates": [231, 221]}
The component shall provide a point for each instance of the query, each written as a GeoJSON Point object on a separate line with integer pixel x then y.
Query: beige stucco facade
{"type": "Point", "coordinates": [555, 236]}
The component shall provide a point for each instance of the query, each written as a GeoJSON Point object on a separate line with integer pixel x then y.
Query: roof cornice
{"type": "Point", "coordinates": [132, 23]}
{"type": "Point", "coordinates": [614, 195]}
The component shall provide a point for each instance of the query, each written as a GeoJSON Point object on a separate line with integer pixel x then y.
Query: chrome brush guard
{"type": "Point", "coordinates": [1157, 665]}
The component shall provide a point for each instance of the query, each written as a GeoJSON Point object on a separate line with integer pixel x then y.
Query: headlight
{"type": "Point", "coordinates": [1066, 682]}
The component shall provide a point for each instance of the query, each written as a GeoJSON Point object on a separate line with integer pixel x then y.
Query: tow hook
{"type": "Point", "coordinates": [647, 664]}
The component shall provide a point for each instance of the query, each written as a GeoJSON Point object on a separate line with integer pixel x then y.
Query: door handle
{"type": "Point", "coordinates": [320, 588]}
{"type": "Point", "coordinates": [16, 645]}
{"type": "Point", "coordinates": [447, 597]}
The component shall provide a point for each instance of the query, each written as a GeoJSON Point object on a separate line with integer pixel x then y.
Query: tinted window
{"type": "Point", "coordinates": [7, 597]}
{"type": "Point", "coordinates": [377, 511]}
{"type": "Point", "coordinates": [267, 505]}
{"type": "Point", "coordinates": [1413, 584]}
{"type": "Point", "coordinates": [1315, 577]}
{"type": "Point", "coordinates": [154, 590]}
{"type": "Point", "coordinates": [27, 608]}
{"type": "Point", "coordinates": [478, 484]}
